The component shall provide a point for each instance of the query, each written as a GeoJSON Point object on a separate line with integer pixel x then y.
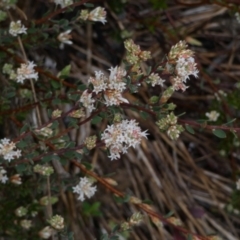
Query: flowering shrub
{"type": "Point", "coordinates": [40, 151]}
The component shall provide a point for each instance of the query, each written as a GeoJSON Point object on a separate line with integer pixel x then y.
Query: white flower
{"type": "Point", "coordinates": [17, 28]}
{"type": "Point", "coordinates": [178, 83]}
{"type": "Point", "coordinates": [7, 150]}
{"type": "Point", "coordinates": [212, 116]}
{"type": "Point", "coordinates": [3, 177]}
{"type": "Point", "coordinates": [64, 38]}
{"type": "Point", "coordinates": [237, 15]}
{"type": "Point", "coordinates": [114, 97]}
{"type": "Point", "coordinates": [111, 86]}
{"type": "Point", "coordinates": [46, 232]}
{"type": "Point", "coordinates": [26, 71]}
{"type": "Point", "coordinates": [97, 15]}
{"type": "Point", "coordinates": [186, 67]}
{"type": "Point", "coordinates": [84, 188]}
{"type": "Point", "coordinates": [63, 3]}
{"type": "Point", "coordinates": [87, 100]}
{"type": "Point", "coordinates": [155, 79]}
{"type": "Point", "coordinates": [26, 224]}
{"type": "Point", "coordinates": [181, 64]}
{"type": "Point", "coordinates": [99, 82]}
{"type": "Point", "coordinates": [116, 79]}
{"type": "Point", "coordinates": [120, 136]}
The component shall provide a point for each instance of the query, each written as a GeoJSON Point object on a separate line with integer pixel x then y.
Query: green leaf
{"type": "Point", "coordinates": [189, 129]}
{"type": "Point", "coordinates": [114, 238]}
{"type": "Point", "coordinates": [21, 168]}
{"type": "Point", "coordinates": [24, 128]}
{"type": "Point", "coordinates": [65, 71]}
{"type": "Point", "coordinates": [144, 115]}
{"type": "Point", "coordinates": [231, 121]}
{"type": "Point", "coordinates": [55, 84]}
{"type": "Point", "coordinates": [219, 133]}
{"type": "Point", "coordinates": [96, 120]}
{"type": "Point", "coordinates": [82, 87]}
{"type": "Point", "coordinates": [116, 228]}
{"type": "Point", "coordinates": [149, 69]}
{"type": "Point", "coordinates": [47, 159]}
{"type": "Point", "coordinates": [10, 94]}
{"type": "Point", "coordinates": [22, 144]}
{"type": "Point", "coordinates": [91, 209]}
{"type": "Point", "coordinates": [89, 5]}
{"type": "Point", "coordinates": [189, 237]}
{"type": "Point", "coordinates": [56, 101]}
{"type": "Point", "coordinates": [169, 214]}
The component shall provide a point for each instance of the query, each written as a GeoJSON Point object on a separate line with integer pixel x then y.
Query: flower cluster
{"type": "Point", "coordinates": [169, 124]}
{"type": "Point", "coordinates": [17, 28]}
{"type": "Point", "coordinates": [3, 177]}
{"type": "Point", "coordinates": [121, 136]}
{"type": "Point", "coordinates": [63, 3]}
{"type": "Point", "coordinates": [111, 87]}
{"type": "Point", "coordinates": [154, 79]}
{"type": "Point", "coordinates": [77, 113]}
{"type": "Point", "coordinates": [57, 222]}
{"type": "Point", "coordinates": [181, 64]}
{"type": "Point", "coordinates": [97, 15]}
{"type": "Point", "coordinates": [90, 142]}
{"type": "Point", "coordinates": [26, 224]}
{"type": "Point", "coordinates": [21, 211]}
{"type": "Point", "coordinates": [212, 116]}
{"type": "Point", "coordinates": [134, 53]}
{"type": "Point", "coordinates": [43, 170]}
{"type": "Point", "coordinates": [7, 150]}
{"type": "Point", "coordinates": [84, 188]}
{"type": "Point", "coordinates": [26, 71]}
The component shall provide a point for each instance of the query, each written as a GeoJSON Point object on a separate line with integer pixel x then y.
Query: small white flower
{"type": "Point", "coordinates": [212, 116]}
{"type": "Point", "coordinates": [114, 97]}
{"type": "Point", "coordinates": [17, 28]}
{"type": "Point", "coordinates": [63, 3]}
{"type": "Point", "coordinates": [99, 82]}
{"type": "Point", "coordinates": [121, 136]}
{"type": "Point", "coordinates": [87, 100]}
{"type": "Point", "coordinates": [3, 177]}
{"type": "Point", "coordinates": [64, 38]}
{"type": "Point", "coordinates": [46, 232]}
{"type": "Point", "coordinates": [84, 188]}
{"type": "Point", "coordinates": [97, 15]}
{"type": "Point", "coordinates": [7, 149]}
{"type": "Point", "coordinates": [26, 224]}
{"type": "Point", "coordinates": [26, 71]}
{"type": "Point", "coordinates": [155, 79]}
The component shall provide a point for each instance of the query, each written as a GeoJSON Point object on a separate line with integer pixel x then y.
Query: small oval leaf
{"type": "Point", "coordinates": [219, 133]}
{"type": "Point", "coordinates": [189, 129]}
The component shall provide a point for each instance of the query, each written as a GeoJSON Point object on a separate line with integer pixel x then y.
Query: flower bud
{"type": "Point", "coordinates": [21, 211]}
{"type": "Point", "coordinates": [46, 232]}
{"type": "Point", "coordinates": [26, 224]}
{"type": "Point", "coordinates": [16, 179]}
{"type": "Point", "coordinates": [44, 201]}
{"type": "Point", "coordinates": [57, 222]}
